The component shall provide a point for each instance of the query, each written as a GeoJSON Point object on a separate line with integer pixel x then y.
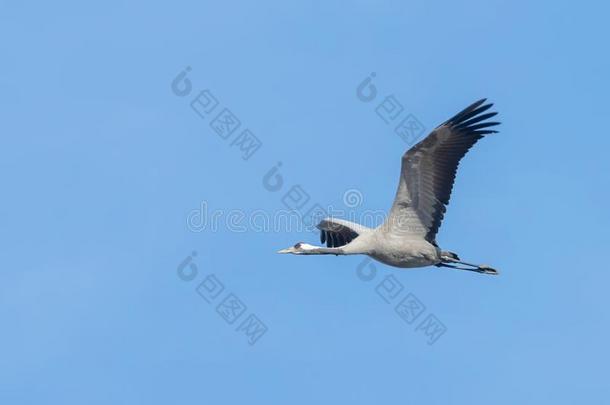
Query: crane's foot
{"type": "Point", "coordinates": [485, 269]}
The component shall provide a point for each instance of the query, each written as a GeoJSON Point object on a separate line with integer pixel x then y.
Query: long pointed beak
{"type": "Point", "coordinates": [287, 250]}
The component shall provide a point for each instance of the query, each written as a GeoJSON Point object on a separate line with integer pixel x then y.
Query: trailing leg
{"type": "Point", "coordinates": [453, 262]}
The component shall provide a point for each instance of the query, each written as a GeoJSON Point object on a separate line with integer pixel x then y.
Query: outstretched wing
{"type": "Point", "coordinates": [428, 172]}
{"type": "Point", "coordinates": [338, 232]}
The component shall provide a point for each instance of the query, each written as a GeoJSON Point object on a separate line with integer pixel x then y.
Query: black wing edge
{"type": "Point", "coordinates": [335, 235]}
{"type": "Point", "coordinates": [472, 120]}
{"type": "Point", "coordinates": [471, 125]}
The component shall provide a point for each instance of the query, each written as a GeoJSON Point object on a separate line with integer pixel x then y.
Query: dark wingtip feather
{"type": "Point", "coordinates": [484, 125]}
{"type": "Point", "coordinates": [481, 101]}
{"type": "Point", "coordinates": [472, 119]}
{"type": "Point", "coordinates": [476, 119]}
{"type": "Point", "coordinates": [477, 103]}
{"type": "Point", "coordinates": [466, 111]}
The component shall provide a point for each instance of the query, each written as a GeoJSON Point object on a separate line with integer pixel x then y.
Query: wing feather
{"type": "Point", "coordinates": [338, 232]}
{"type": "Point", "coordinates": [428, 172]}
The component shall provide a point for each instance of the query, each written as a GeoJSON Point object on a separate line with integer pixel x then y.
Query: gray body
{"type": "Point", "coordinates": [393, 250]}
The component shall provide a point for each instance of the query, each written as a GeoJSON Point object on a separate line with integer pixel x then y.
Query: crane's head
{"type": "Point", "coordinates": [300, 248]}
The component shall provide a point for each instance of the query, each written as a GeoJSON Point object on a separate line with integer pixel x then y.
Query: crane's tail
{"type": "Point", "coordinates": [450, 259]}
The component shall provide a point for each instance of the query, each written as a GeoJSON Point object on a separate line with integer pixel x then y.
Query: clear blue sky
{"type": "Point", "coordinates": [101, 164]}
